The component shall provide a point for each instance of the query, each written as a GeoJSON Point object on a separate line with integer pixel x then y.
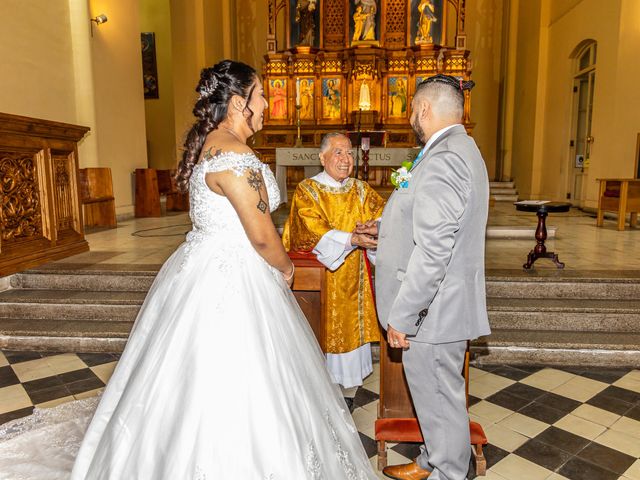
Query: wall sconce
{"type": "Point", "coordinates": [100, 19]}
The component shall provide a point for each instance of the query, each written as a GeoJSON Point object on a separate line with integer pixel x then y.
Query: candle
{"type": "Point", "coordinates": [365, 143]}
{"type": "Point", "coordinates": [297, 91]}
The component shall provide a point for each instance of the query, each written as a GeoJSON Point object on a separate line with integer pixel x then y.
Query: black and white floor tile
{"type": "Point", "coordinates": [542, 423]}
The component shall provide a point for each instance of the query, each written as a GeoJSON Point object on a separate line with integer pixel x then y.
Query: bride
{"type": "Point", "coordinates": [222, 377]}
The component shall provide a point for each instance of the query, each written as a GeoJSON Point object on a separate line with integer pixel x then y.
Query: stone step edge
{"type": "Point", "coordinates": [520, 304]}
{"type": "Point", "coordinates": [518, 355]}
{"type": "Point", "coordinates": [63, 344]}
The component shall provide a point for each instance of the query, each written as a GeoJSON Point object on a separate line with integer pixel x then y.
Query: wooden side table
{"type": "Point", "coordinates": [620, 195]}
{"type": "Point", "coordinates": [542, 210]}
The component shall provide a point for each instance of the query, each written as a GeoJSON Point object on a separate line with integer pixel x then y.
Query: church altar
{"type": "Point", "coordinates": [310, 160]}
{"type": "Point", "coordinates": [354, 65]}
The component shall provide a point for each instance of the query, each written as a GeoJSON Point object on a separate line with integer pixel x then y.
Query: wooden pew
{"type": "Point", "coordinates": [96, 196]}
{"type": "Point", "coordinates": [150, 185]}
{"type": "Point", "coordinates": [176, 200]}
{"type": "Point", "coordinates": [620, 195]}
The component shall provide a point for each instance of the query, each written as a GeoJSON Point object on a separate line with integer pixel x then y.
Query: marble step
{"type": "Point", "coordinates": [505, 198]}
{"type": "Point", "coordinates": [502, 185]}
{"type": "Point", "coordinates": [89, 280]}
{"type": "Point", "coordinates": [563, 284]}
{"type": "Point", "coordinates": [517, 232]}
{"type": "Point", "coordinates": [41, 296]}
{"type": "Point", "coordinates": [63, 335]}
{"type": "Point", "coordinates": [69, 311]}
{"type": "Point", "coordinates": [558, 348]}
{"type": "Point", "coordinates": [503, 191]}
{"type": "Point", "coordinates": [564, 315]}
{"type": "Point", "coordinates": [501, 283]}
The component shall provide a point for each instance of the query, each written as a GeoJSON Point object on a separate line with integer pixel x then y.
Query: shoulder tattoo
{"type": "Point", "coordinates": [208, 153]}
{"type": "Point", "coordinates": [256, 182]}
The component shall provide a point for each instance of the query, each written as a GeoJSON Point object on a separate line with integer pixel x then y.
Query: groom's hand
{"type": "Point", "coordinates": [396, 339]}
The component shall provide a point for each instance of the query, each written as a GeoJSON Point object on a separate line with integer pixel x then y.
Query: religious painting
{"type": "Point", "coordinates": [278, 98]}
{"type": "Point", "coordinates": [149, 66]}
{"type": "Point", "coordinates": [364, 24]}
{"type": "Point", "coordinates": [419, 80]}
{"type": "Point", "coordinates": [397, 95]}
{"type": "Point", "coordinates": [306, 98]}
{"type": "Point", "coordinates": [331, 98]}
{"type": "Point", "coordinates": [426, 22]}
{"type": "Point", "coordinates": [304, 23]}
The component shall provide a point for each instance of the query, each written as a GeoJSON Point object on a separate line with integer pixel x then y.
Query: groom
{"type": "Point", "coordinates": [430, 283]}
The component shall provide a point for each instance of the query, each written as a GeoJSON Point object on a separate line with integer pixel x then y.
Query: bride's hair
{"type": "Point", "coordinates": [216, 87]}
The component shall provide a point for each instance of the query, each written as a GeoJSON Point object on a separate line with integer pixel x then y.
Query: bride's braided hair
{"type": "Point", "coordinates": [216, 87]}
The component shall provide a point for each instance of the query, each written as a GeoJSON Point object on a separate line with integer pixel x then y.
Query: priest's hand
{"type": "Point", "coordinates": [370, 228]}
{"type": "Point", "coordinates": [363, 240]}
{"type": "Point", "coordinates": [396, 339]}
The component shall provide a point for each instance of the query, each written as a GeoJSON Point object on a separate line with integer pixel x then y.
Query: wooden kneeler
{"type": "Point", "coordinates": [397, 420]}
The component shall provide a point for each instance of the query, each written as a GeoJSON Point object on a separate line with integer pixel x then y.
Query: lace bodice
{"type": "Point", "coordinates": [212, 213]}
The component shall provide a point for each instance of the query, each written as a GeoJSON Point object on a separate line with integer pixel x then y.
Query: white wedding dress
{"type": "Point", "coordinates": [221, 378]}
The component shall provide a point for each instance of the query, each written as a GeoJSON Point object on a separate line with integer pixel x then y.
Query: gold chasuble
{"type": "Point", "coordinates": [315, 210]}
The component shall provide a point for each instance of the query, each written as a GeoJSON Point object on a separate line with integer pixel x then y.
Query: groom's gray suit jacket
{"type": "Point", "coordinates": [430, 280]}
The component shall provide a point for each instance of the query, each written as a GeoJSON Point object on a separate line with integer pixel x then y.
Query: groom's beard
{"type": "Point", "coordinates": [417, 129]}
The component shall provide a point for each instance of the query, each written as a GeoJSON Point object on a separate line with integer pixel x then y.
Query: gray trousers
{"type": "Point", "coordinates": [434, 374]}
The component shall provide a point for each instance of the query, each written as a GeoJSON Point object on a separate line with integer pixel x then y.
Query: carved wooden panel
{"type": "Point", "coordinates": [455, 63]}
{"type": "Point", "coordinates": [21, 204]}
{"type": "Point", "coordinates": [303, 66]}
{"type": "Point", "coordinates": [332, 65]}
{"type": "Point", "coordinates": [400, 138]}
{"type": "Point", "coordinates": [396, 23]}
{"type": "Point", "coordinates": [275, 139]}
{"type": "Point", "coordinates": [275, 67]}
{"type": "Point", "coordinates": [64, 192]}
{"type": "Point", "coordinates": [398, 65]}
{"type": "Point", "coordinates": [334, 23]}
{"type": "Point", "coordinates": [427, 65]}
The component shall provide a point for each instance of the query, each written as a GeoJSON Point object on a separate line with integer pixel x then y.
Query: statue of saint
{"type": "Point", "coordinates": [358, 22]}
{"type": "Point", "coordinates": [364, 20]}
{"type": "Point", "coordinates": [365, 97]}
{"type": "Point", "coordinates": [427, 17]}
{"type": "Point", "coordinates": [306, 99]}
{"type": "Point", "coordinates": [305, 18]}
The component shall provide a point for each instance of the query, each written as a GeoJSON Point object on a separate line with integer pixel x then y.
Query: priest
{"type": "Point", "coordinates": [324, 212]}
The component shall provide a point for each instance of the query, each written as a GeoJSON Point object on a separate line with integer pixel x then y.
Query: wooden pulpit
{"type": "Point", "coordinates": [397, 420]}
{"type": "Point", "coordinates": [40, 210]}
{"type": "Point", "coordinates": [309, 289]}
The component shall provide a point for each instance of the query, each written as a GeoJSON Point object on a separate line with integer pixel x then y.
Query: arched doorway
{"type": "Point", "coordinates": [584, 81]}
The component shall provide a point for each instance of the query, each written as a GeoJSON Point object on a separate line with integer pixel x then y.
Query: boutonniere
{"type": "Point", "coordinates": [400, 177]}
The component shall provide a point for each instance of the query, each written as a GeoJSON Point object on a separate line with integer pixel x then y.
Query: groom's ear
{"type": "Point", "coordinates": [425, 110]}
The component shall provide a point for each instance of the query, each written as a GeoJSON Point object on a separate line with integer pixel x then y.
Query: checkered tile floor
{"type": "Point", "coordinates": [542, 423]}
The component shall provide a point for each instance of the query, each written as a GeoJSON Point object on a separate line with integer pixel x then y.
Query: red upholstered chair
{"type": "Point", "coordinates": [406, 429]}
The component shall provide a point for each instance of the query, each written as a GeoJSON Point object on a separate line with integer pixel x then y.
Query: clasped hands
{"type": "Point", "coordinates": [365, 234]}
